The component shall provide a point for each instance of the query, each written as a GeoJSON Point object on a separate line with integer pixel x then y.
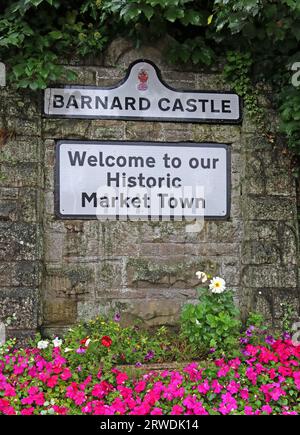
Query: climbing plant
{"type": "Point", "coordinates": [261, 39]}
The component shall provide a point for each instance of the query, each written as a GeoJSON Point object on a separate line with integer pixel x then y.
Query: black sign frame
{"type": "Point", "coordinates": [58, 215]}
{"type": "Point", "coordinates": [142, 118]}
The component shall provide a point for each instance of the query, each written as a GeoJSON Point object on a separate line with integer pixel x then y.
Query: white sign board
{"type": "Point", "coordinates": [109, 180]}
{"type": "Point", "coordinates": [142, 95]}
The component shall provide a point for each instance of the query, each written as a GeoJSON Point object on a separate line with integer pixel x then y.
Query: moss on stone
{"type": "Point", "coordinates": [147, 270]}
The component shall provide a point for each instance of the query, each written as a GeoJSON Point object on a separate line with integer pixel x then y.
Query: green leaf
{"type": "Point", "coordinates": [172, 13]}
{"type": "Point", "coordinates": [56, 34]}
{"type": "Point", "coordinates": [148, 11]}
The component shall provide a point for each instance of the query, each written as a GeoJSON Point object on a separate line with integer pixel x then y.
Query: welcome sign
{"type": "Point", "coordinates": [142, 95]}
{"type": "Point", "coordinates": [142, 180]}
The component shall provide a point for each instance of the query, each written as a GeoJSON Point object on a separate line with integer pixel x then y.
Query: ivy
{"type": "Point", "coordinates": [261, 39]}
{"type": "Point", "coordinates": [238, 72]}
{"type": "Point", "coordinates": [289, 110]}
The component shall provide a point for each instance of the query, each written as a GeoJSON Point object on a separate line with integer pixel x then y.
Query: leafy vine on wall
{"type": "Point", "coordinates": [261, 39]}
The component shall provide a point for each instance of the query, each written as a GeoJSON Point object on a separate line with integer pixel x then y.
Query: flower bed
{"type": "Point", "coordinates": [247, 373]}
{"type": "Point", "coordinates": [263, 379]}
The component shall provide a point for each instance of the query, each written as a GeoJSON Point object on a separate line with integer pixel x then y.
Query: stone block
{"type": "Point", "coordinates": [59, 312]}
{"type": "Point", "coordinates": [269, 208]}
{"type": "Point", "coordinates": [224, 230]}
{"type": "Point", "coordinates": [106, 130]}
{"type": "Point", "coordinates": [152, 312]}
{"type": "Point", "coordinates": [109, 275]}
{"type": "Point", "coordinates": [18, 241]}
{"type": "Point", "coordinates": [270, 276]}
{"type": "Point", "coordinates": [260, 230]}
{"type": "Point", "coordinates": [173, 272]}
{"type": "Point", "coordinates": [146, 131]}
{"type": "Point", "coordinates": [69, 281]}
{"type": "Point", "coordinates": [19, 274]}
{"type": "Point", "coordinates": [19, 175]}
{"type": "Point", "coordinates": [61, 128]}
{"type": "Point", "coordinates": [260, 252]}
{"type": "Point", "coordinates": [21, 150]}
{"type": "Point", "coordinates": [26, 127]}
{"type": "Point", "coordinates": [54, 245]}
{"type": "Point", "coordinates": [24, 302]}
{"type": "Point", "coordinates": [8, 210]}
{"type": "Point", "coordinates": [287, 235]}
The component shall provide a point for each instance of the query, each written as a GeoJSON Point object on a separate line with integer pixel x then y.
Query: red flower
{"type": "Point", "coordinates": [106, 341]}
{"type": "Point", "coordinates": [85, 341]}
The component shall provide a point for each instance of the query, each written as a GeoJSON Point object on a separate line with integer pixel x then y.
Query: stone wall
{"type": "Point", "coordinates": [21, 203]}
{"type": "Point", "coordinates": [54, 272]}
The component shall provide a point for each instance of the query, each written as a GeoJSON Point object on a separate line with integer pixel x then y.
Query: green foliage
{"type": "Point", "coordinates": [7, 346]}
{"type": "Point", "coordinates": [129, 345]}
{"type": "Point", "coordinates": [34, 37]}
{"type": "Point", "coordinates": [289, 315]}
{"type": "Point", "coordinates": [211, 323]}
{"type": "Point", "coordinates": [257, 320]}
{"type": "Point", "coordinates": [261, 38]}
{"type": "Point", "coordinates": [82, 346]}
{"type": "Point", "coordinates": [191, 50]}
{"type": "Point", "coordinates": [238, 72]}
{"type": "Point", "coordinates": [290, 116]}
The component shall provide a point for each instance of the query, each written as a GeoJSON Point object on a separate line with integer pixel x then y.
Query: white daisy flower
{"type": "Point", "coordinates": [217, 285]}
{"type": "Point", "coordinates": [43, 344]}
{"type": "Point", "coordinates": [201, 276]}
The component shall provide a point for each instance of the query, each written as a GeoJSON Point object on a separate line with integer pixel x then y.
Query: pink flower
{"type": "Point", "coordinates": [27, 400]}
{"type": "Point", "coordinates": [223, 371]}
{"type": "Point", "coordinates": [266, 356]}
{"type": "Point", "coordinates": [244, 393]}
{"type": "Point", "coordinates": [119, 406]}
{"type": "Point", "coordinates": [216, 387]}
{"type": "Point", "coordinates": [102, 389]}
{"type": "Point", "coordinates": [297, 379]}
{"type": "Point", "coordinates": [276, 393]}
{"type": "Point", "coordinates": [267, 409]}
{"type": "Point", "coordinates": [199, 409]}
{"type": "Point", "coordinates": [73, 392]}
{"type": "Point", "coordinates": [27, 411]}
{"type": "Point", "coordinates": [140, 386]}
{"type": "Point", "coordinates": [18, 370]}
{"type": "Point", "coordinates": [248, 410]}
{"type": "Point", "coordinates": [88, 408]}
{"type": "Point", "coordinates": [252, 350]}
{"type": "Point", "coordinates": [66, 374]}
{"type": "Point", "coordinates": [121, 378]}
{"type": "Point", "coordinates": [177, 410]}
{"type": "Point", "coordinates": [228, 404]}
{"type": "Point", "coordinates": [9, 391]}
{"type": "Point", "coordinates": [39, 398]}
{"type": "Point", "coordinates": [156, 411]}
{"type": "Point", "coordinates": [143, 409]}
{"type": "Point", "coordinates": [61, 410]}
{"type": "Point", "coordinates": [52, 381]}
{"type": "Point", "coordinates": [233, 387]}
{"type": "Point", "coordinates": [204, 387]}
{"type": "Point", "coordinates": [251, 375]}
{"type": "Point", "coordinates": [33, 390]}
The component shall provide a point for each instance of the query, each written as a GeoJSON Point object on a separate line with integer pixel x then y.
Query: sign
{"type": "Point", "coordinates": [142, 95]}
{"type": "Point", "coordinates": [142, 180]}
{"type": "Point", "coordinates": [2, 74]}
